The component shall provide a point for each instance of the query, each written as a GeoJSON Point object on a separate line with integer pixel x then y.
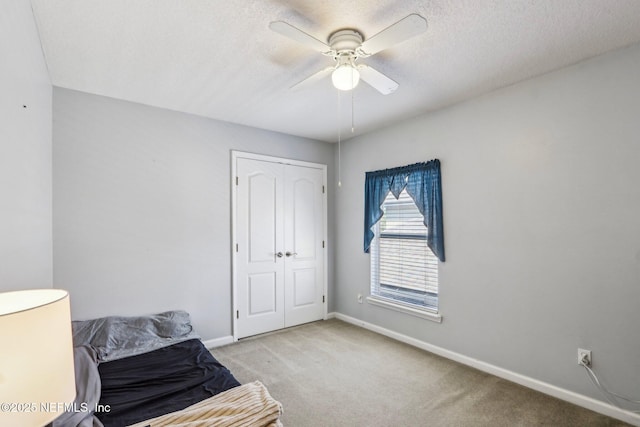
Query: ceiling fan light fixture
{"type": "Point", "coordinates": [345, 77]}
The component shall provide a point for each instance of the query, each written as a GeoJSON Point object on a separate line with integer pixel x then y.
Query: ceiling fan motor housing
{"type": "Point", "coordinates": [345, 41]}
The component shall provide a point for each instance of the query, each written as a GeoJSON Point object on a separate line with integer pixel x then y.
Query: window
{"type": "Point", "coordinates": [404, 233]}
{"type": "Point", "coordinates": [404, 270]}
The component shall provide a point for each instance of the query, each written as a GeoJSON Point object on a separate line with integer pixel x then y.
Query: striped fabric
{"type": "Point", "coordinates": [246, 405]}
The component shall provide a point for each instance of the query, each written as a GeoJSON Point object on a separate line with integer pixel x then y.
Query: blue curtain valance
{"type": "Point", "coordinates": [422, 181]}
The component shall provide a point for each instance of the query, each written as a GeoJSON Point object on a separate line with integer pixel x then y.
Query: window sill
{"type": "Point", "coordinates": [424, 314]}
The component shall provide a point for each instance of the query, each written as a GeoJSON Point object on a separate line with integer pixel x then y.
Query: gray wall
{"type": "Point", "coordinates": [141, 212]}
{"type": "Point", "coordinates": [541, 184]}
{"type": "Point", "coordinates": [25, 152]}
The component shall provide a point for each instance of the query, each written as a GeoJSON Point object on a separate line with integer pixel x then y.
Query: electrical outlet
{"type": "Point", "coordinates": [584, 357]}
{"type": "Point", "coordinates": [359, 298]}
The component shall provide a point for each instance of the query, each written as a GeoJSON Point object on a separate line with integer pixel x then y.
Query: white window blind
{"type": "Point", "coordinates": [403, 268]}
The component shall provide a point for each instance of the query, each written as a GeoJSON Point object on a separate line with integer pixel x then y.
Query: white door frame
{"type": "Point", "coordinates": [234, 280]}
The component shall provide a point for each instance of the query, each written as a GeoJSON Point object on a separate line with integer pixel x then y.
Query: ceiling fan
{"type": "Point", "coordinates": [348, 45]}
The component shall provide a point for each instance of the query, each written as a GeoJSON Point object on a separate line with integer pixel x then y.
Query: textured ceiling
{"type": "Point", "coordinates": [218, 58]}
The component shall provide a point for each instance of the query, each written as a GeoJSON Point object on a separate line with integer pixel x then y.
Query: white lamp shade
{"type": "Point", "coordinates": [345, 77]}
{"type": "Point", "coordinates": [36, 360]}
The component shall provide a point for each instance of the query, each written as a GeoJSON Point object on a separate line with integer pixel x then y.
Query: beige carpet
{"type": "Point", "coordinates": [331, 373]}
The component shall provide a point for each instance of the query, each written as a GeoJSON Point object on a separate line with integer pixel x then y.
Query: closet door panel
{"type": "Point", "coordinates": [304, 266]}
{"type": "Point", "coordinates": [259, 233]}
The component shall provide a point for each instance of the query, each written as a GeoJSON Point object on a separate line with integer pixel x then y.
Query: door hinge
{"type": "Point", "coordinates": [323, 299]}
{"type": "Point", "coordinates": [236, 247]}
{"type": "Point", "coordinates": [236, 180]}
{"type": "Point", "coordinates": [237, 314]}
{"type": "Point", "coordinates": [323, 243]}
{"type": "Point", "coordinates": [323, 189]}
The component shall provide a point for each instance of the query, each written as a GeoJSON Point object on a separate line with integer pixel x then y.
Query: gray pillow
{"type": "Point", "coordinates": [116, 337]}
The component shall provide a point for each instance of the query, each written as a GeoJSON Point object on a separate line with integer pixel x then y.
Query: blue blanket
{"type": "Point", "coordinates": [155, 383]}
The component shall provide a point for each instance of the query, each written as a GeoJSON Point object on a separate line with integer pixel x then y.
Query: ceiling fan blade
{"type": "Point", "coordinates": [402, 30]}
{"type": "Point", "coordinates": [377, 80]}
{"type": "Point", "coordinates": [312, 78]}
{"type": "Point", "coordinates": [298, 35]}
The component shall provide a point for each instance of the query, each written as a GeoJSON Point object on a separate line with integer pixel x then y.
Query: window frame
{"type": "Point", "coordinates": [375, 296]}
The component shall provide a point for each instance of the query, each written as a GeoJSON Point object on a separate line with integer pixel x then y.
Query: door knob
{"type": "Point", "coordinates": [291, 253]}
{"type": "Point", "coordinates": [279, 255]}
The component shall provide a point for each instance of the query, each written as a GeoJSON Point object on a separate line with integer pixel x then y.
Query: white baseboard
{"type": "Point", "coordinates": [218, 342]}
{"type": "Point", "coordinates": [546, 388]}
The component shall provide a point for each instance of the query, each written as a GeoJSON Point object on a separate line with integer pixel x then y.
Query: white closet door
{"type": "Point", "coordinates": [279, 261]}
{"type": "Point", "coordinates": [304, 255]}
{"type": "Point", "coordinates": [260, 238]}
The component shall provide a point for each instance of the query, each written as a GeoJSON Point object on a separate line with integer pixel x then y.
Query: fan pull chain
{"type": "Point", "coordinates": [353, 126]}
{"type": "Point", "coordinates": [339, 138]}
